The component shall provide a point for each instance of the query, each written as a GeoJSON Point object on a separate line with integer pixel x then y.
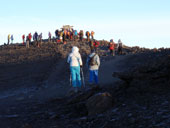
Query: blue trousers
{"type": "Point", "coordinates": [93, 77]}
{"type": "Point", "coordinates": [75, 76]}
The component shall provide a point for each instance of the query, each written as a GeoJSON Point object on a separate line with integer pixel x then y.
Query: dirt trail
{"type": "Point", "coordinates": [21, 102]}
{"type": "Point", "coordinates": [54, 87]}
{"type": "Point", "coordinates": [57, 85]}
{"type": "Point", "coordinates": [113, 64]}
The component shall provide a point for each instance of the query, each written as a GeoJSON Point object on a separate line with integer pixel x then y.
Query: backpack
{"type": "Point", "coordinates": [92, 61]}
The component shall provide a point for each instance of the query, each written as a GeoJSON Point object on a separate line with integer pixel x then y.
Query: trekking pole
{"type": "Point", "coordinates": [82, 77]}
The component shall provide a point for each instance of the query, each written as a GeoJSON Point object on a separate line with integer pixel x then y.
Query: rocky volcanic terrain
{"type": "Point", "coordinates": [35, 89]}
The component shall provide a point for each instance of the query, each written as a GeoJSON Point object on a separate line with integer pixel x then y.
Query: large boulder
{"type": "Point", "coordinates": [99, 103]}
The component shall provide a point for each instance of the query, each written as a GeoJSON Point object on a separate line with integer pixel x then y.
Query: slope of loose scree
{"type": "Point", "coordinates": [137, 95]}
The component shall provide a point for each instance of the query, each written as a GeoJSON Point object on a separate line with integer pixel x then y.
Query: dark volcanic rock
{"type": "Point", "coordinates": [99, 103]}
{"type": "Point", "coordinates": [140, 100]}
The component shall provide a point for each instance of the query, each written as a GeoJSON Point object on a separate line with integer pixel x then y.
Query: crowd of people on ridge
{"type": "Point", "coordinates": [74, 58]}
{"type": "Point", "coordinates": [64, 35]}
{"type": "Point", "coordinates": [61, 36]}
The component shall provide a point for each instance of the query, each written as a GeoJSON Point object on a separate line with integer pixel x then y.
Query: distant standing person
{"type": "Point", "coordinates": [120, 47]}
{"type": "Point", "coordinates": [9, 37]}
{"type": "Point", "coordinates": [35, 38]}
{"type": "Point", "coordinates": [23, 39]}
{"type": "Point", "coordinates": [75, 35]}
{"type": "Point", "coordinates": [81, 34]}
{"type": "Point", "coordinates": [39, 40]}
{"type": "Point", "coordinates": [56, 34]}
{"type": "Point", "coordinates": [27, 42]}
{"type": "Point", "coordinates": [88, 35]}
{"type": "Point", "coordinates": [64, 36]}
{"type": "Point", "coordinates": [93, 63]}
{"type": "Point", "coordinates": [49, 37]}
{"type": "Point", "coordinates": [92, 35]}
{"type": "Point", "coordinates": [75, 61]}
{"type": "Point", "coordinates": [112, 47]}
{"type": "Point", "coordinates": [61, 36]}
{"type": "Point", "coordinates": [30, 37]}
{"type": "Point", "coordinates": [12, 38]}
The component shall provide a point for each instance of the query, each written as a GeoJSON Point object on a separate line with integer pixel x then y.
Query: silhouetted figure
{"type": "Point", "coordinates": [30, 37]}
{"type": "Point", "coordinates": [119, 47]}
{"type": "Point", "coordinates": [9, 37]}
{"type": "Point", "coordinates": [27, 42]}
{"type": "Point", "coordinates": [39, 40]}
{"type": "Point", "coordinates": [49, 37]}
{"type": "Point", "coordinates": [35, 38]}
{"type": "Point", "coordinates": [88, 35]}
{"type": "Point", "coordinates": [92, 35]}
{"type": "Point", "coordinates": [81, 34]}
{"type": "Point", "coordinates": [23, 39]}
{"type": "Point", "coordinates": [12, 38]}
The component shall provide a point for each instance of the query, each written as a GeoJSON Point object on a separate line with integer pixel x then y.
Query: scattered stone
{"type": "Point", "coordinates": [115, 110]}
{"type": "Point", "coordinates": [26, 126]}
{"type": "Point", "coordinates": [9, 116]}
{"type": "Point", "coordinates": [113, 120]}
{"type": "Point", "coordinates": [80, 120]}
{"type": "Point", "coordinates": [20, 98]}
{"type": "Point", "coordinates": [53, 115]}
{"type": "Point", "coordinates": [130, 114]}
{"type": "Point", "coordinates": [30, 96]}
{"type": "Point", "coordinates": [99, 103]}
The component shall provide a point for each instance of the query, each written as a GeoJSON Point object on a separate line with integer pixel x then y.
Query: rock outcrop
{"type": "Point", "coordinates": [99, 103]}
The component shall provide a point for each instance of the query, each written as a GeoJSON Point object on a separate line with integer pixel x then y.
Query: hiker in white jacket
{"type": "Point", "coordinates": [75, 61]}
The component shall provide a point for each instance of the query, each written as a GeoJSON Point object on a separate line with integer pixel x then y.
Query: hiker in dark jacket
{"type": "Point", "coordinates": [93, 63]}
{"type": "Point", "coordinates": [35, 38]}
{"type": "Point", "coordinates": [56, 34]}
{"type": "Point", "coordinates": [81, 34]}
{"type": "Point", "coordinates": [120, 47]}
